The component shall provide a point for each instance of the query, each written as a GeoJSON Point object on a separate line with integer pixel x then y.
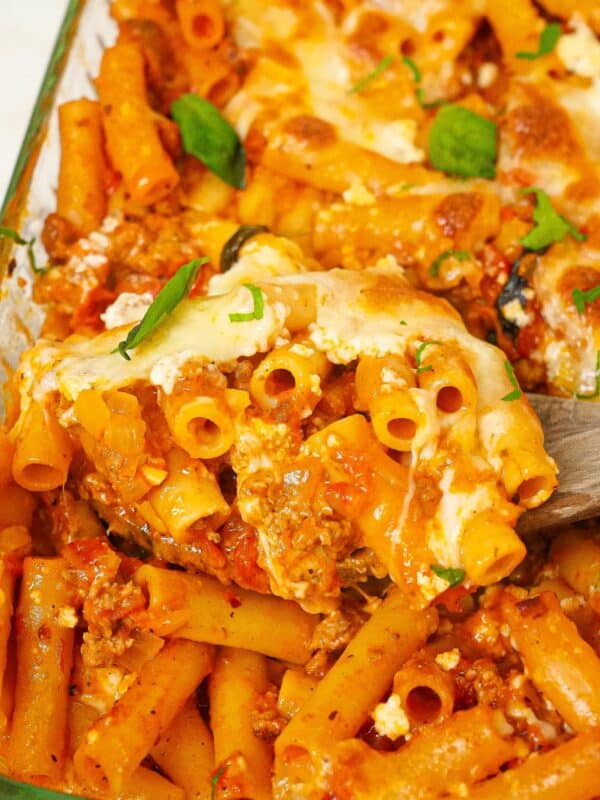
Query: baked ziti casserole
{"type": "Point", "coordinates": [261, 474]}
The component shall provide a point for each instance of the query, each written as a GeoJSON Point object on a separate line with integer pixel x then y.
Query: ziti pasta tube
{"type": "Point", "coordinates": [237, 680]}
{"type": "Point", "coordinates": [451, 755]}
{"type": "Point", "coordinates": [203, 610]}
{"type": "Point", "coordinates": [562, 665]}
{"type": "Point", "coordinates": [118, 742]}
{"type": "Point", "coordinates": [341, 702]}
{"type": "Point", "coordinates": [132, 138]}
{"type": "Point", "coordinates": [568, 771]}
{"type": "Point", "coordinates": [201, 21]}
{"type": "Point", "coordinates": [81, 195]}
{"type": "Point", "coordinates": [42, 451]}
{"type": "Point", "coordinates": [45, 621]}
{"type": "Point", "coordinates": [185, 752]}
{"type": "Point", "coordinates": [15, 543]}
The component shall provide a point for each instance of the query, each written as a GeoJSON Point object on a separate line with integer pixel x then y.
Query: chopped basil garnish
{"type": "Point", "coordinates": [419, 92]}
{"type": "Point", "coordinates": [385, 62]}
{"type": "Point", "coordinates": [169, 297]}
{"type": "Point", "coordinates": [550, 226]}
{"type": "Point", "coordinates": [231, 248]}
{"type": "Point", "coordinates": [596, 391]}
{"type": "Point", "coordinates": [416, 72]}
{"type": "Point", "coordinates": [419, 355]}
{"type": "Point", "coordinates": [9, 233]}
{"type": "Point", "coordinates": [460, 255]}
{"type": "Point", "coordinates": [516, 393]}
{"type": "Point", "coordinates": [206, 134]}
{"type": "Point", "coordinates": [454, 576]}
{"type": "Point", "coordinates": [581, 298]}
{"type": "Point", "coordinates": [214, 781]}
{"type": "Point", "coordinates": [463, 143]}
{"type": "Point", "coordinates": [259, 306]}
{"type": "Point", "coordinates": [548, 39]}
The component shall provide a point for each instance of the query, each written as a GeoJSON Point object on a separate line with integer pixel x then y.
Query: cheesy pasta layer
{"type": "Point", "coordinates": [359, 418]}
{"type": "Point", "coordinates": [345, 123]}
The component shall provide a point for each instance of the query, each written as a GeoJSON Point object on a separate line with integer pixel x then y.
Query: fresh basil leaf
{"type": "Point", "coordinates": [171, 294]}
{"type": "Point", "coordinates": [419, 355]}
{"type": "Point", "coordinates": [548, 39]}
{"type": "Point", "coordinates": [516, 393]}
{"type": "Point", "coordinates": [596, 392]}
{"type": "Point", "coordinates": [385, 62]}
{"type": "Point", "coordinates": [13, 790]}
{"type": "Point", "coordinates": [9, 233]}
{"type": "Point", "coordinates": [454, 576]}
{"type": "Point", "coordinates": [206, 134]}
{"type": "Point", "coordinates": [550, 226]}
{"type": "Point", "coordinates": [416, 72]}
{"type": "Point", "coordinates": [463, 143]}
{"type": "Point", "coordinates": [259, 306]}
{"type": "Point", "coordinates": [233, 245]}
{"type": "Point", "coordinates": [581, 298]}
{"type": "Point", "coordinates": [460, 255]}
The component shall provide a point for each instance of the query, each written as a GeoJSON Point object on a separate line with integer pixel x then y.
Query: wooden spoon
{"type": "Point", "coordinates": [572, 437]}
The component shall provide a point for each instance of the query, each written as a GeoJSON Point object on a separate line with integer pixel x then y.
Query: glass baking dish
{"type": "Point", "coordinates": [86, 29]}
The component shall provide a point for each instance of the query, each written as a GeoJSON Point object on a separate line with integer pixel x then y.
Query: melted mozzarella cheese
{"type": "Point", "coordinates": [580, 51]}
{"type": "Point", "coordinates": [319, 83]}
{"type": "Point", "coordinates": [419, 12]}
{"type": "Point", "coordinates": [381, 315]}
{"type": "Point", "coordinates": [324, 61]}
{"type": "Point", "coordinates": [259, 261]}
{"type": "Point", "coordinates": [456, 509]}
{"type": "Point", "coordinates": [196, 329]}
{"type": "Point", "coordinates": [569, 350]}
{"type": "Point", "coordinates": [583, 105]}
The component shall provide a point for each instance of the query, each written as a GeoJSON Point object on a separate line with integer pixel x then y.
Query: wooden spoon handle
{"type": "Point", "coordinates": [572, 437]}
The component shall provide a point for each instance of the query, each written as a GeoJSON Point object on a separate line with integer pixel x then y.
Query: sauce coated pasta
{"type": "Point", "coordinates": [261, 475]}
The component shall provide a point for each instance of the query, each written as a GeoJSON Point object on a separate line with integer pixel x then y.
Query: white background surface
{"type": "Point", "coordinates": [28, 30]}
